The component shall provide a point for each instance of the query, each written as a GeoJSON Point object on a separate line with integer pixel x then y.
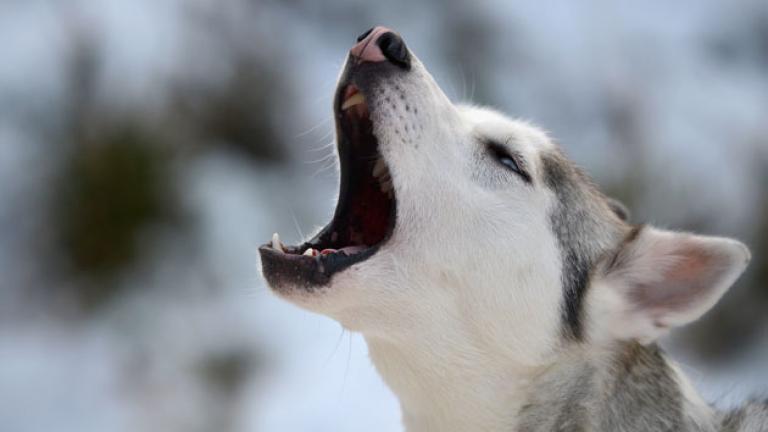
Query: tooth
{"type": "Point", "coordinates": [276, 243]}
{"type": "Point", "coordinates": [379, 168]}
{"type": "Point", "coordinates": [308, 252]}
{"type": "Point", "coordinates": [353, 100]}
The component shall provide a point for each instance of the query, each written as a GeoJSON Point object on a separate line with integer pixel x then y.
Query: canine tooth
{"type": "Point", "coordinates": [308, 252]}
{"type": "Point", "coordinates": [353, 100]}
{"type": "Point", "coordinates": [276, 243]}
{"type": "Point", "coordinates": [379, 168]}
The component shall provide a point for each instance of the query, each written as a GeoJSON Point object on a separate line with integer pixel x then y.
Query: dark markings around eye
{"type": "Point", "coordinates": [510, 160]}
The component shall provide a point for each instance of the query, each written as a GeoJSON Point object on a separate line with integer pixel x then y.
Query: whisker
{"type": "Point", "coordinates": [325, 169]}
{"type": "Point", "coordinates": [346, 368]}
{"type": "Point", "coordinates": [335, 348]}
{"type": "Point", "coordinates": [296, 223]}
{"type": "Point", "coordinates": [329, 143]}
{"type": "Point", "coordinates": [322, 159]}
{"type": "Point", "coordinates": [472, 91]}
{"type": "Point", "coordinates": [313, 128]}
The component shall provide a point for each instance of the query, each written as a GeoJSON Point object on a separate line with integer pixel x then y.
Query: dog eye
{"type": "Point", "coordinates": [510, 163]}
{"type": "Point", "coordinates": [507, 160]}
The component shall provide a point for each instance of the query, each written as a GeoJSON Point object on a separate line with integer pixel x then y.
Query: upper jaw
{"type": "Point", "coordinates": [367, 77]}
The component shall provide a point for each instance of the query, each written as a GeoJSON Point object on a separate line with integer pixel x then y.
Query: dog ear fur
{"type": "Point", "coordinates": [661, 279]}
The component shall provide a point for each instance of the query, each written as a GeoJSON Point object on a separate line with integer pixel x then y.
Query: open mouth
{"type": "Point", "coordinates": [365, 213]}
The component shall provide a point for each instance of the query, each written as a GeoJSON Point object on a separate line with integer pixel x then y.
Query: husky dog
{"type": "Point", "coordinates": [496, 287]}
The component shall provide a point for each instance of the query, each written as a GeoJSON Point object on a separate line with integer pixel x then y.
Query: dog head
{"type": "Point", "coordinates": [457, 225]}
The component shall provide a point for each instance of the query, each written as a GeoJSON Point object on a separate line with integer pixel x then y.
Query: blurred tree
{"type": "Point", "coordinates": [245, 108]}
{"type": "Point", "coordinates": [742, 42]}
{"type": "Point", "coordinates": [238, 114]}
{"type": "Point", "coordinates": [114, 180]}
{"type": "Point", "coordinates": [467, 34]}
{"type": "Point", "coordinates": [115, 185]}
{"type": "Point", "coordinates": [623, 116]}
{"type": "Point", "coordinates": [739, 319]}
{"type": "Point", "coordinates": [225, 374]}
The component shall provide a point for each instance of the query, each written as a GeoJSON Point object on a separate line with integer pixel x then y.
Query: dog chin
{"type": "Point", "coordinates": [327, 299]}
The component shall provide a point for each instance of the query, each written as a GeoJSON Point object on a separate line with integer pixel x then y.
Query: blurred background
{"type": "Point", "coordinates": [148, 147]}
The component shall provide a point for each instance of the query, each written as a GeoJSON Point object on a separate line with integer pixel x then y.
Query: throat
{"type": "Point", "coordinates": [443, 390]}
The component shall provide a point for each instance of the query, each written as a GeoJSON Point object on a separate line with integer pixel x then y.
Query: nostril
{"type": "Point", "coordinates": [394, 49]}
{"type": "Point", "coordinates": [364, 35]}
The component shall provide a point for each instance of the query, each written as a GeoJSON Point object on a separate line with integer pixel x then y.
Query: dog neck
{"type": "Point", "coordinates": [626, 387]}
{"type": "Point", "coordinates": [442, 389]}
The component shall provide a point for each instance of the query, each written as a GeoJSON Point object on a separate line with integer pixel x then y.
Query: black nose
{"type": "Point", "coordinates": [394, 49]}
{"type": "Point", "coordinates": [381, 44]}
{"type": "Point", "coordinates": [365, 34]}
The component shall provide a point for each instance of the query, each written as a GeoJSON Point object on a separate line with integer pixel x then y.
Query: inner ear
{"type": "Point", "coordinates": [681, 284]}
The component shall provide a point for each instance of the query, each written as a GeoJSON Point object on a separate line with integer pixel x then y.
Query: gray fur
{"type": "Point", "coordinates": [636, 390]}
{"type": "Point", "coordinates": [585, 227]}
{"type": "Point", "coordinates": [752, 417]}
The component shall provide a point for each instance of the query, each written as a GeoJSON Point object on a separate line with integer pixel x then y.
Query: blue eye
{"type": "Point", "coordinates": [510, 163]}
{"type": "Point", "coordinates": [507, 160]}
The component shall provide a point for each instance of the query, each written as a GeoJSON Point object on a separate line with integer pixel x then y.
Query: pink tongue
{"type": "Point", "coordinates": [349, 250]}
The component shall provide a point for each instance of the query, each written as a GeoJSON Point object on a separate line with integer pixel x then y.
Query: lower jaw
{"type": "Point", "coordinates": [293, 270]}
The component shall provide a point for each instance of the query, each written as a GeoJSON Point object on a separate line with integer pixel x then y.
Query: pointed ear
{"type": "Point", "coordinates": [618, 208]}
{"type": "Point", "coordinates": [659, 279]}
